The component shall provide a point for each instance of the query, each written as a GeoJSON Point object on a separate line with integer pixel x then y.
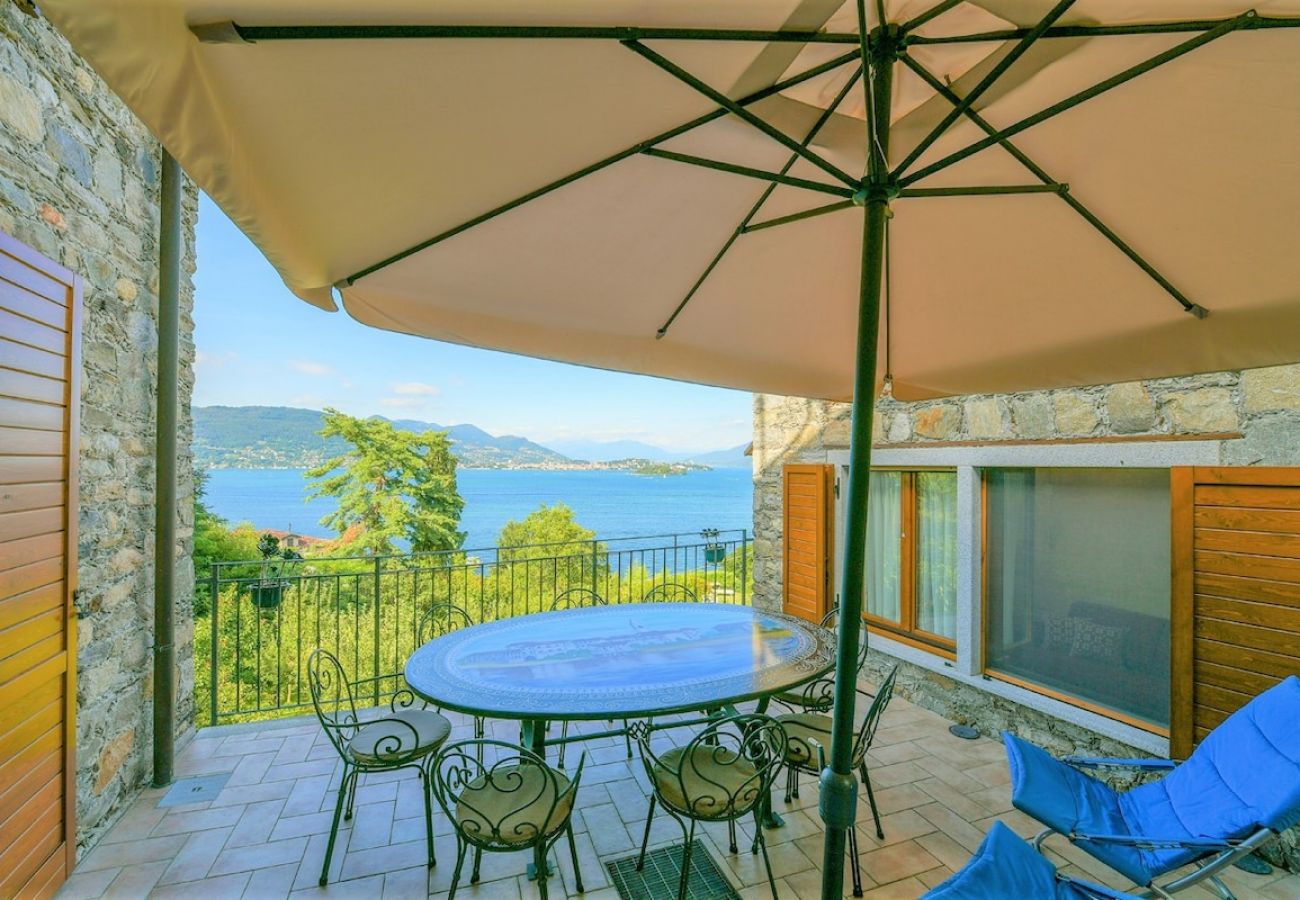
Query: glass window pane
{"type": "Point", "coordinates": [884, 545]}
{"type": "Point", "coordinates": [1078, 583]}
{"type": "Point", "coordinates": [936, 553]}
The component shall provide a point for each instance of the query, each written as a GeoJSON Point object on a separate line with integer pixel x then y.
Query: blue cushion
{"type": "Point", "coordinates": [1005, 866]}
{"type": "Point", "coordinates": [1244, 776]}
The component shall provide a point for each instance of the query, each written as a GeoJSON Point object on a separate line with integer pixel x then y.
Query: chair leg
{"type": "Point", "coordinates": [564, 733]}
{"type": "Point", "coordinates": [425, 786]}
{"type": "Point", "coordinates": [731, 831]}
{"type": "Point", "coordinates": [334, 827]}
{"type": "Point", "coordinates": [627, 738]}
{"type": "Point", "coordinates": [857, 866]}
{"type": "Point", "coordinates": [767, 863]}
{"type": "Point", "coordinates": [478, 858]}
{"type": "Point", "coordinates": [480, 729]}
{"type": "Point", "coordinates": [871, 799]}
{"type": "Point", "coordinates": [539, 862]}
{"type": "Point", "coordinates": [461, 847]}
{"type": "Point", "coordinates": [573, 852]}
{"type": "Point", "coordinates": [789, 783]}
{"type": "Point", "coordinates": [645, 838]}
{"type": "Point", "coordinates": [684, 884]}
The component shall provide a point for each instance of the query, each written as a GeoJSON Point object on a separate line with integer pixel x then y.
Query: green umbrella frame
{"type": "Point", "coordinates": [874, 52]}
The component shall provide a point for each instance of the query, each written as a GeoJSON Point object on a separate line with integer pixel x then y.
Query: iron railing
{"type": "Point", "coordinates": [264, 618]}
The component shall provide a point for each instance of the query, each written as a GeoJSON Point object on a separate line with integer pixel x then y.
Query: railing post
{"type": "Point", "coordinates": [375, 670]}
{"type": "Point", "coordinates": [744, 566]}
{"type": "Point", "coordinates": [593, 568]}
{"type": "Point", "coordinates": [214, 585]}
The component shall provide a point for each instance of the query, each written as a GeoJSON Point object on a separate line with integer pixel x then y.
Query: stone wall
{"type": "Point", "coordinates": [79, 181]}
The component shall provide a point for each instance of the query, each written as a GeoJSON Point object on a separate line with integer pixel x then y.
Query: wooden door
{"type": "Point", "coordinates": [1236, 592]}
{"type": "Point", "coordinates": [808, 529]}
{"type": "Point", "coordinates": [39, 367]}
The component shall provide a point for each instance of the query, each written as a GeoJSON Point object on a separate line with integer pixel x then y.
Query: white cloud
{"type": "Point", "coordinates": [207, 360]}
{"type": "Point", "coordinates": [315, 369]}
{"type": "Point", "coordinates": [416, 389]}
{"type": "Point", "coordinates": [402, 402]}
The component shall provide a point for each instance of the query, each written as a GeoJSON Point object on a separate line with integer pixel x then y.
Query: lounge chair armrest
{"type": "Point", "coordinates": [1117, 762]}
{"type": "Point", "coordinates": [1148, 842]}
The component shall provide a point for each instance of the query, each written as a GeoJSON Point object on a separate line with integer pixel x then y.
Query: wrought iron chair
{"type": "Point", "coordinates": [819, 695]}
{"type": "Point", "coordinates": [725, 773]}
{"type": "Point", "coordinates": [581, 598]}
{"type": "Point", "coordinates": [403, 739]}
{"type": "Point", "coordinates": [440, 619]}
{"type": "Point", "coordinates": [670, 592]}
{"type": "Point", "coordinates": [515, 803]}
{"type": "Point", "coordinates": [810, 735]}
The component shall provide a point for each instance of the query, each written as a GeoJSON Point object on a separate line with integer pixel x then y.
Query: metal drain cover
{"type": "Point", "coordinates": [194, 790]}
{"type": "Point", "coordinates": [965, 732]}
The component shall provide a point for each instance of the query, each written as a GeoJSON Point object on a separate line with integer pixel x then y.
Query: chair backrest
{"type": "Point", "coordinates": [496, 794]}
{"type": "Point", "coordinates": [1244, 775]}
{"type": "Point", "coordinates": [331, 697]}
{"type": "Point", "coordinates": [577, 598]}
{"type": "Point", "coordinates": [440, 619]}
{"type": "Point", "coordinates": [725, 770]}
{"type": "Point", "coordinates": [867, 731]}
{"type": "Point", "coordinates": [669, 592]}
{"type": "Point", "coordinates": [832, 619]}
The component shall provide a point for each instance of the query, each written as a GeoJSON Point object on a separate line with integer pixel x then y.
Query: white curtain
{"type": "Point", "coordinates": [936, 553]}
{"type": "Point", "coordinates": [884, 545]}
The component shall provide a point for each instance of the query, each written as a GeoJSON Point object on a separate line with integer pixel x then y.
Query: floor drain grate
{"type": "Point", "coordinates": [194, 790]}
{"type": "Point", "coordinates": [658, 879]}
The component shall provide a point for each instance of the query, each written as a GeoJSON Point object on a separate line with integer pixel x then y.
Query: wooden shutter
{"type": "Point", "coordinates": [808, 528]}
{"type": "Point", "coordinates": [1236, 592]}
{"type": "Point", "coordinates": [39, 367]}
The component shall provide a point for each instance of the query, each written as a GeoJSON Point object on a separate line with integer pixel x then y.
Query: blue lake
{"type": "Point", "coordinates": [612, 504]}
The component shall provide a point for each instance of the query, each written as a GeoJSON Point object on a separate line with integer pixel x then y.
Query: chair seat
{"type": "Point", "coordinates": [802, 729]}
{"type": "Point", "coordinates": [712, 783]}
{"type": "Point", "coordinates": [511, 804]}
{"type": "Point", "coordinates": [391, 738]}
{"type": "Point", "coordinates": [1006, 866]}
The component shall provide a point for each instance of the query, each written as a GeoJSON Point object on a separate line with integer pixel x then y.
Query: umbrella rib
{"type": "Point", "coordinates": [799, 216]}
{"type": "Point", "coordinates": [232, 32]}
{"type": "Point", "coordinates": [984, 84]}
{"type": "Point", "coordinates": [1225, 27]}
{"type": "Point", "coordinates": [930, 14]}
{"type": "Point", "coordinates": [1073, 202]}
{"type": "Point", "coordinates": [815, 71]}
{"type": "Point", "coordinates": [749, 171]}
{"type": "Point", "coordinates": [740, 112]}
{"type": "Point", "coordinates": [1049, 187]}
{"type": "Point", "coordinates": [1078, 31]}
{"type": "Point", "coordinates": [743, 227]}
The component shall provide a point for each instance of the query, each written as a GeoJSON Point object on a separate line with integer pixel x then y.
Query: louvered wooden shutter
{"type": "Point", "coordinates": [39, 367]}
{"type": "Point", "coordinates": [808, 518]}
{"type": "Point", "coordinates": [1236, 592]}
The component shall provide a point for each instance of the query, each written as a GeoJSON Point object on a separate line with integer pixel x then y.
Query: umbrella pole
{"type": "Point", "coordinates": [839, 787]}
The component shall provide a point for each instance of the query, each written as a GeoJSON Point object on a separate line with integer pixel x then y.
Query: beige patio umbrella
{"type": "Point", "coordinates": [1072, 192]}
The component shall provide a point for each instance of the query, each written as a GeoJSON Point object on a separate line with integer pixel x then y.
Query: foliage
{"type": "Point", "coordinates": [214, 541]}
{"type": "Point", "coordinates": [276, 560]}
{"type": "Point", "coordinates": [390, 485]}
{"type": "Point", "coordinates": [544, 525]}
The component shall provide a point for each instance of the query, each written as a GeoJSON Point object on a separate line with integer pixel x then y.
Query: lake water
{"type": "Point", "coordinates": [612, 504]}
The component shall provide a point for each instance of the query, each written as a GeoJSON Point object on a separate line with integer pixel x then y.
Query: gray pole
{"type": "Point", "coordinates": [164, 589]}
{"type": "Point", "coordinates": [839, 787]}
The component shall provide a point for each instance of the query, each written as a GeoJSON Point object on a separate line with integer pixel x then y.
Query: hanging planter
{"type": "Point", "coordinates": [267, 595]}
{"type": "Point", "coordinates": [714, 552]}
{"type": "Point", "coordinates": [268, 591]}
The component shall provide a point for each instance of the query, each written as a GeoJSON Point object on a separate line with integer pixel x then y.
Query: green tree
{"type": "Point", "coordinates": [214, 541]}
{"type": "Point", "coordinates": [544, 525]}
{"type": "Point", "coordinates": [390, 485]}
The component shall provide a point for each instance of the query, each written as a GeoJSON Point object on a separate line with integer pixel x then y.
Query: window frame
{"type": "Point", "coordinates": [905, 630]}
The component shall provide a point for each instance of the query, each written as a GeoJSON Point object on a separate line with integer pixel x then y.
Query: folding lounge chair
{"type": "Point", "coordinates": [1238, 790]}
{"type": "Point", "coordinates": [1005, 866]}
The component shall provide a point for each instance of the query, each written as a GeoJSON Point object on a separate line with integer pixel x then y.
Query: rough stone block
{"type": "Point", "coordinates": [1202, 410]}
{"type": "Point", "coordinates": [1130, 408]}
{"type": "Point", "coordinates": [1075, 414]}
{"type": "Point", "coordinates": [1269, 389]}
{"type": "Point", "coordinates": [939, 422]}
{"type": "Point", "coordinates": [1032, 416]}
{"type": "Point", "coordinates": [20, 110]}
{"type": "Point", "coordinates": [986, 418]}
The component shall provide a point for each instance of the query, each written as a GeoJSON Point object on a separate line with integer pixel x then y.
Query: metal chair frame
{"type": "Point", "coordinates": [754, 738]}
{"type": "Point", "coordinates": [819, 695]}
{"type": "Point", "coordinates": [333, 697]}
{"type": "Point", "coordinates": [457, 618]}
{"type": "Point", "coordinates": [861, 744]}
{"type": "Point", "coordinates": [581, 598]}
{"type": "Point", "coordinates": [458, 766]}
{"type": "Point", "coordinates": [670, 592]}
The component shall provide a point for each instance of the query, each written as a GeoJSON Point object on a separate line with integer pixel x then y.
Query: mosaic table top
{"type": "Point", "coordinates": [626, 661]}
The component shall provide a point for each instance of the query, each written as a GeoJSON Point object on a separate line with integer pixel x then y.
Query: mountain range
{"type": "Point", "coordinates": [288, 437]}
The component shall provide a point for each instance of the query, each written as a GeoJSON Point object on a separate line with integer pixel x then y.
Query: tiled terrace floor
{"type": "Point", "coordinates": [264, 835]}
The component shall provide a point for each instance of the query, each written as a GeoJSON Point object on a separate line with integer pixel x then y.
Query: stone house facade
{"type": "Point", "coordinates": [1247, 418]}
{"type": "Point", "coordinates": [79, 183]}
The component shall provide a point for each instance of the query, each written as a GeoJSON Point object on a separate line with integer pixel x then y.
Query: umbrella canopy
{"type": "Point", "coordinates": [393, 164]}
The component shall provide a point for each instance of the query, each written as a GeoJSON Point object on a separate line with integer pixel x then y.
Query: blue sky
{"type": "Point", "coordinates": [259, 345]}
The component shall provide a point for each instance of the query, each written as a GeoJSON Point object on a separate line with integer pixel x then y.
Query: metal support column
{"type": "Point", "coordinates": [164, 588]}
{"type": "Point", "coordinates": [839, 787]}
